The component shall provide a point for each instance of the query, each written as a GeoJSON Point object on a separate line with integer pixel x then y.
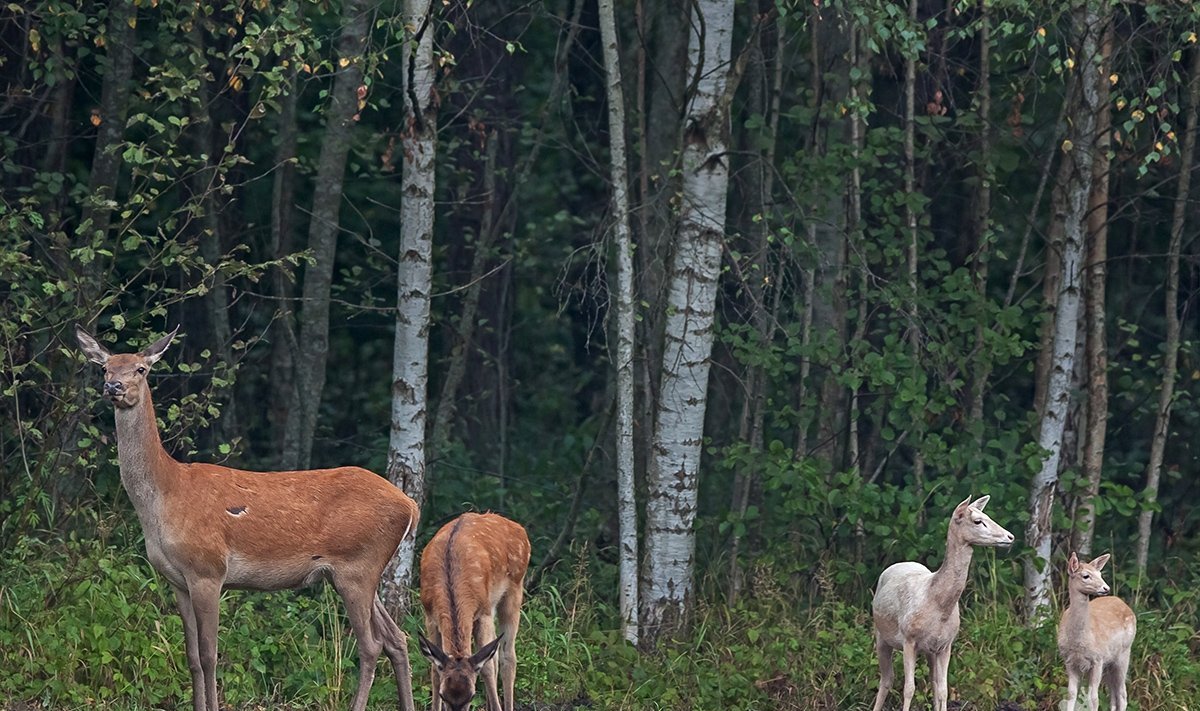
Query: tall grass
{"type": "Point", "coordinates": [87, 624]}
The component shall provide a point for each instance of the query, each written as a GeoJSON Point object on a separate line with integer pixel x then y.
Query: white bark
{"type": "Point", "coordinates": [1066, 318]}
{"type": "Point", "coordinates": [410, 355]}
{"type": "Point", "coordinates": [626, 503]}
{"type": "Point", "coordinates": [688, 334]}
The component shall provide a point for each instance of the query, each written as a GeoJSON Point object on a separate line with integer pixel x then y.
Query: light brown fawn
{"type": "Point", "coordinates": [472, 570]}
{"type": "Point", "coordinates": [916, 610]}
{"type": "Point", "coordinates": [210, 527]}
{"type": "Point", "coordinates": [1095, 636]}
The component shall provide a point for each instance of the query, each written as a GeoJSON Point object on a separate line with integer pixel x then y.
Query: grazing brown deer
{"type": "Point", "coordinates": [916, 610]}
{"type": "Point", "coordinates": [472, 570]}
{"type": "Point", "coordinates": [209, 527]}
{"type": "Point", "coordinates": [1095, 636]}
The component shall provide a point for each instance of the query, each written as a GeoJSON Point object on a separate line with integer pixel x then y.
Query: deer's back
{"type": "Point", "coordinates": [472, 562]}
{"type": "Point", "coordinates": [274, 530]}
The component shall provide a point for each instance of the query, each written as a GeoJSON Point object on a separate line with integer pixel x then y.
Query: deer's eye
{"type": "Point", "coordinates": [1086, 576]}
{"type": "Point", "coordinates": [979, 522]}
{"type": "Point", "coordinates": [141, 370]}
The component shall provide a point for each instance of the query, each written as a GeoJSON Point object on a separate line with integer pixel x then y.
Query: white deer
{"type": "Point", "coordinates": [471, 572]}
{"type": "Point", "coordinates": [1095, 636]}
{"type": "Point", "coordinates": [916, 610]}
{"type": "Point", "coordinates": [209, 527]}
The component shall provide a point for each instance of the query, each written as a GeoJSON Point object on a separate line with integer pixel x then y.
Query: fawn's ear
{"type": "Point", "coordinates": [155, 350]}
{"type": "Point", "coordinates": [433, 652]}
{"type": "Point", "coordinates": [1101, 561]}
{"type": "Point", "coordinates": [1072, 563]}
{"type": "Point", "coordinates": [91, 348]}
{"type": "Point", "coordinates": [981, 502]}
{"type": "Point", "coordinates": [478, 659]}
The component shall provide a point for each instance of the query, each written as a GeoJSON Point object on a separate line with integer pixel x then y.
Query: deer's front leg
{"type": "Point", "coordinates": [940, 671]}
{"type": "Point", "coordinates": [1072, 688]}
{"type": "Point", "coordinates": [205, 598]}
{"type": "Point", "coordinates": [910, 671]}
{"type": "Point", "coordinates": [191, 645]}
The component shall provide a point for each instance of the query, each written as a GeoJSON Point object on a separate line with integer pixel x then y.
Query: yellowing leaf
{"type": "Point", "coordinates": [1067, 145]}
{"type": "Point", "coordinates": [35, 39]}
{"type": "Point", "coordinates": [235, 82]}
{"type": "Point", "coordinates": [343, 62]}
{"type": "Point", "coordinates": [132, 23]}
{"type": "Point", "coordinates": [96, 120]}
{"type": "Point", "coordinates": [1112, 78]}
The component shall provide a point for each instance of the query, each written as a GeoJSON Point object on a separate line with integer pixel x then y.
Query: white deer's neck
{"type": "Point", "coordinates": [951, 579]}
{"type": "Point", "coordinates": [145, 465]}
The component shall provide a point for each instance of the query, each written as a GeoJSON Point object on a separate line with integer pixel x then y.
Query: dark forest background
{"type": "Point", "coordinates": [884, 326]}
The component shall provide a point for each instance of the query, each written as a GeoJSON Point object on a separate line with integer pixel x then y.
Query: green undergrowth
{"type": "Point", "coordinates": [89, 625]}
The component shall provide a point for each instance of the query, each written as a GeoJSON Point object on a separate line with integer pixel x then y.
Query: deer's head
{"type": "Point", "coordinates": [971, 525]}
{"type": "Point", "coordinates": [457, 675]}
{"type": "Point", "coordinates": [124, 373]}
{"type": "Point", "coordinates": [1086, 577]}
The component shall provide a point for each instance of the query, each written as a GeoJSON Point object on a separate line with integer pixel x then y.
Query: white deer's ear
{"type": "Point", "coordinates": [1101, 561]}
{"type": "Point", "coordinates": [91, 348]}
{"type": "Point", "coordinates": [155, 350]}
{"type": "Point", "coordinates": [1072, 563]}
{"type": "Point", "coordinates": [981, 502]}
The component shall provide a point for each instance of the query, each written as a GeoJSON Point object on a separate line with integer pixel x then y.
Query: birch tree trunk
{"type": "Point", "coordinates": [679, 427]}
{"type": "Point", "coordinates": [313, 340]}
{"type": "Point", "coordinates": [410, 354]}
{"type": "Point", "coordinates": [1096, 351]}
{"type": "Point", "coordinates": [1079, 152]}
{"type": "Point", "coordinates": [626, 502]}
{"type": "Point", "coordinates": [1162, 421]}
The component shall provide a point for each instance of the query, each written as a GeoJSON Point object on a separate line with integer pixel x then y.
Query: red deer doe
{"type": "Point", "coordinates": [209, 527]}
{"type": "Point", "coordinates": [473, 568]}
{"type": "Point", "coordinates": [1095, 636]}
{"type": "Point", "coordinates": [916, 610]}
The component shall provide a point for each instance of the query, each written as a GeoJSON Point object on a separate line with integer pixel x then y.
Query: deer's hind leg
{"type": "Point", "coordinates": [395, 645]}
{"type": "Point", "coordinates": [508, 615]}
{"type": "Point", "coordinates": [887, 672]}
{"type": "Point", "coordinates": [485, 633]}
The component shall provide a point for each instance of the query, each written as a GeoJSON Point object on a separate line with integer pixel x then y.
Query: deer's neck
{"type": "Point", "coordinates": [1075, 618]}
{"type": "Point", "coordinates": [146, 468]}
{"type": "Point", "coordinates": [950, 579]}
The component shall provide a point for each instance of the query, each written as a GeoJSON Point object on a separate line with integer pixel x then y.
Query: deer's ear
{"type": "Point", "coordinates": [431, 651]}
{"type": "Point", "coordinates": [982, 501]}
{"type": "Point", "coordinates": [91, 348]}
{"type": "Point", "coordinates": [1101, 561]}
{"type": "Point", "coordinates": [958, 510]}
{"type": "Point", "coordinates": [155, 350]}
{"type": "Point", "coordinates": [1072, 563]}
{"type": "Point", "coordinates": [478, 659]}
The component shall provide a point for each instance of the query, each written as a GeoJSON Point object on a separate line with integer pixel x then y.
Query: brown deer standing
{"type": "Point", "coordinates": [1095, 636]}
{"type": "Point", "coordinates": [916, 610]}
{"type": "Point", "coordinates": [209, 527]}
{"type": "Point", "coordinates": [472, 570]}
